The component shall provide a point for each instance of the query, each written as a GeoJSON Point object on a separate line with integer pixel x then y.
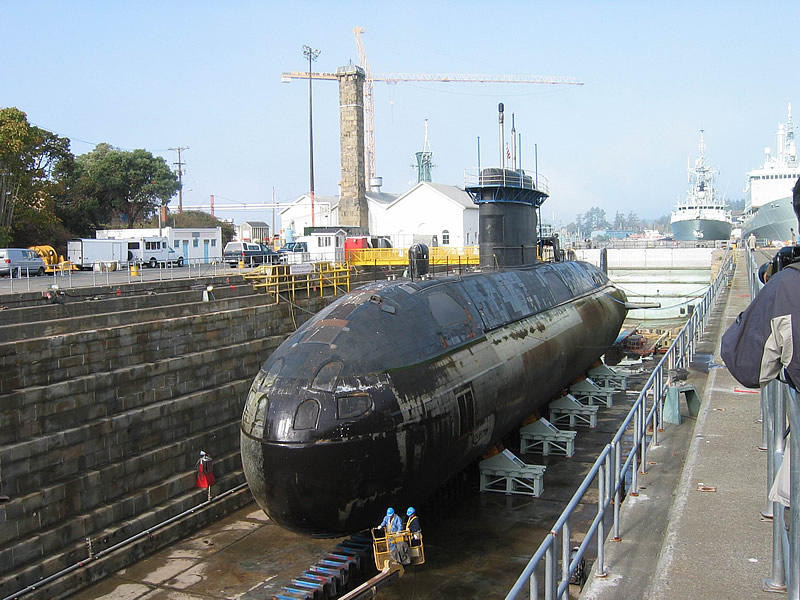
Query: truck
{"type": "Point", "coordinates": [361, 242]}
{"type": "Point", "coordinates": [152, 251]}
{"type": "Point", "coordinates": [250, 254]}
{"type": "Point", "coordinates": [295, 252]}
{"type": "Point", "coordinates": [86, 253]}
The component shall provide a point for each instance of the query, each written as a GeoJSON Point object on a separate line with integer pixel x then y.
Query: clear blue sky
{"type": "Point", "coordinates": [207, 75]}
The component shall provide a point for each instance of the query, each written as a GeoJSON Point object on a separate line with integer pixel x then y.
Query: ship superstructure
{"type": "Point", "coordinates": [702, 214]}
{"type": "Point", "coordinates": [768, 189]}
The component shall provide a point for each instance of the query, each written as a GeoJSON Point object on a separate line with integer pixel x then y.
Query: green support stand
{"type": "Point", "coordinates": [672, 403]}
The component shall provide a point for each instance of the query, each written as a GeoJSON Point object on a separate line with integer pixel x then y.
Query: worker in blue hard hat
{"type": "Point", "coordinates": [412, 523]}
{"type": "Point", "coordinates": [391, 522]}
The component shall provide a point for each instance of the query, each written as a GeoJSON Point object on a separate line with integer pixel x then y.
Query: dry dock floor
{"type": "Point", "coordinates": [476, 544]}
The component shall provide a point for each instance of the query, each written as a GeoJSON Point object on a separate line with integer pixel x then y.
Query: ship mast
{"type": "Point", "coordinates": [791, 152]}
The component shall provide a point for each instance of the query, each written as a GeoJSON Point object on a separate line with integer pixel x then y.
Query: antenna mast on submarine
{"type": "Point", "coordinates": [500, 108]}
{"type": "Point", "coordinates": [513, 143]}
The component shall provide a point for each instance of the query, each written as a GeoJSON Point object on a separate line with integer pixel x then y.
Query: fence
{"type": "Point", "coordinates": [610, 472]}
{"type": "Point", "coordinates": [104, 274]}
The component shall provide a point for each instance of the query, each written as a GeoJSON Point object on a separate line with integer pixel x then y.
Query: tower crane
{"type": "Point", "coordinates": [369, 105]}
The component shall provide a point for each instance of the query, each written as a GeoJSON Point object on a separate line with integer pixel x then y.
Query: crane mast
{"type": "Point", "coordinates": [369, 101]}
{"type": "Point", "coordinates": [369, 110]}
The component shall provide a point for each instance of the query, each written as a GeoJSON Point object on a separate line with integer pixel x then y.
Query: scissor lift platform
{"type": "Point", "coordinates": [508, 474]}
{"type": "Point", "coordinates": [545, 438]}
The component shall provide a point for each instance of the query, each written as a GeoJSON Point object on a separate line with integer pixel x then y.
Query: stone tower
{"type": "Point", "coordinates": [353, 209]}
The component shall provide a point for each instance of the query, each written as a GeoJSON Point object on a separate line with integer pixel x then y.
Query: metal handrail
{"type": "Point", "coordinates": [609, 471]}
{"type": "Point", "coordinates": [779, 401]}
{"type": "Point", "coordinates": [505, 177]}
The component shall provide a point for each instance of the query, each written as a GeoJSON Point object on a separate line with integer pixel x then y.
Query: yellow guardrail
{"type": "Point", "coordinates": [439, 255]}
{"type": "Point", "coordinates": [286, 280]}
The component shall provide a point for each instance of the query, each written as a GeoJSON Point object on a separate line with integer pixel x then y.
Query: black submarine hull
{"type": "Point", "coordinates": [393, 389]}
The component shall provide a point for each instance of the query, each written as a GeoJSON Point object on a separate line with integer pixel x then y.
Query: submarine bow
{"type": "Point", "coordinates": [385, 394]}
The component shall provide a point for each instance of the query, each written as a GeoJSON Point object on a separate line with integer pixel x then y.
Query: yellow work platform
{"type": "Point", "coordinates": [438, 255]}
{"type": "Point", "coordinates": [285, 280]}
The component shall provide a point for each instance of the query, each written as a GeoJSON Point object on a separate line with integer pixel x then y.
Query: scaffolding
{"type": "Point", "coordinates": [285, 281]}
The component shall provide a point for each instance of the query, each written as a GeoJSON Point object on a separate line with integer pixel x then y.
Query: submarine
{"type": "Point", "coordinates": [396, 387]}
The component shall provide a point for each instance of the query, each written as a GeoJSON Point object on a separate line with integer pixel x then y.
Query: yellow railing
{"type": "Point", "coordinates": [286, 280]}
{"type": "Point", "coordinates": [441, 255]}
{"type": "Point", "coordinates": [383, 543]}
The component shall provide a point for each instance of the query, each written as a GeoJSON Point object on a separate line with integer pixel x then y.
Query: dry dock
{"type": "Point", "coordinates": [476, 544]}
{"type": "Point", "coordinates": [677, 541]}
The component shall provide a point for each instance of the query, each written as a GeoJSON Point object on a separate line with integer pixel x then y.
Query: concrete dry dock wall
{"type": "Point", "coordinates": [676, 278]}
{"type": "Point", "coordinates": [103, 416]}
{"type": "Point", "coordinates": [24, 321]}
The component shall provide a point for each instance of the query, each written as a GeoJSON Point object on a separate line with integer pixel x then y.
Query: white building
{"type": "Point", "coordinates": [253, 231]}
{"type": "Point", "coordinates": [433, 213]}
{"type": "Point", "coordinates": [202, 244]}
{"type": "Point", "coordinates": [326, 243]}
{"type": "Point", "coordinates": [297, 214]}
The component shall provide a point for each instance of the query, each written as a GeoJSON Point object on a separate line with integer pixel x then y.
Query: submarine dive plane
{"type": "Point", "coordinates": [394, 388]}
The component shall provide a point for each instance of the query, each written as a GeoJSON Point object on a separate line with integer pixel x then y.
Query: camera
{"type": "Point", "coordinates": [783, 257]}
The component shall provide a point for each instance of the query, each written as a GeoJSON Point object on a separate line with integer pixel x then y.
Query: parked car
{"type": "Point", "coordinates": [250, 254]}
{"type": "Point", "coordinates": [294, 247]}
{"type": "Point", "coordinates": [20, 262]}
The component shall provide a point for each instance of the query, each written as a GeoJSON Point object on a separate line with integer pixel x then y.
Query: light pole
{"type": "Point", "coordinates": [311, 55]}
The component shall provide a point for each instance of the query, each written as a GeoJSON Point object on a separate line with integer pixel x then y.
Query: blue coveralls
{"type": "Point", "coordinates": [392, 524]}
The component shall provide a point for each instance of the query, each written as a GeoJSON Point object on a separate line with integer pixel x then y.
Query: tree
{"type": "Point", "coordinates": [195, 219]}
{"type": "Point", "coordinates": [129, 185]}
{"type": "Point", "coordinates": [80, 213]}
{"type": "Point", "coordinates": [663, 223]}
{"type": "Point", "coordinates": [29, 159]}
{"type": "Point", "coordinates": [595, 218]}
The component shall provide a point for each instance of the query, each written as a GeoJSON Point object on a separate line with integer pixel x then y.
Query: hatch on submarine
{"type": "Point", "coordinates": [391, 390]}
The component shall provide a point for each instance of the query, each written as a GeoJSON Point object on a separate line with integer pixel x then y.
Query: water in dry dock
{"type": "Point", "coordinates": [476, 544]}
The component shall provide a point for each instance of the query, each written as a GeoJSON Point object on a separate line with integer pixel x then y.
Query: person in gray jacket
{"type": "Point", "coordinates": [759, 346]}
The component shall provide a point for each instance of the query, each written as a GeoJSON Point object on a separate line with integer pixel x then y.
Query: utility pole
{"type": "Point", "coordinates": [311, 55]}
{"type": "Point", "coordinates": [180, 176]}
{"type": "Point", "coordinates": [272, 236]}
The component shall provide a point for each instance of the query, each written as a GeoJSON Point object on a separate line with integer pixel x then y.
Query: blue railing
{"type": "Point", "coordinates": [609, 472]}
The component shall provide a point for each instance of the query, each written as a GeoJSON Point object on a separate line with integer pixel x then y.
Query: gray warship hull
{"type": "Point", "coordinates": [772, 221]}
{"type": "Point", "coordinates": [701, 230]}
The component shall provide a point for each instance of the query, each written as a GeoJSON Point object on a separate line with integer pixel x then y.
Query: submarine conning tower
{"type": "Point", "coordinates": [507, 200]}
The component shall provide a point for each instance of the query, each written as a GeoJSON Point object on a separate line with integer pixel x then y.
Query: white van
{"type": "Point", "coordinates": [20, 262]}
{"type": "Point", "coordinates": [153, 251]}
